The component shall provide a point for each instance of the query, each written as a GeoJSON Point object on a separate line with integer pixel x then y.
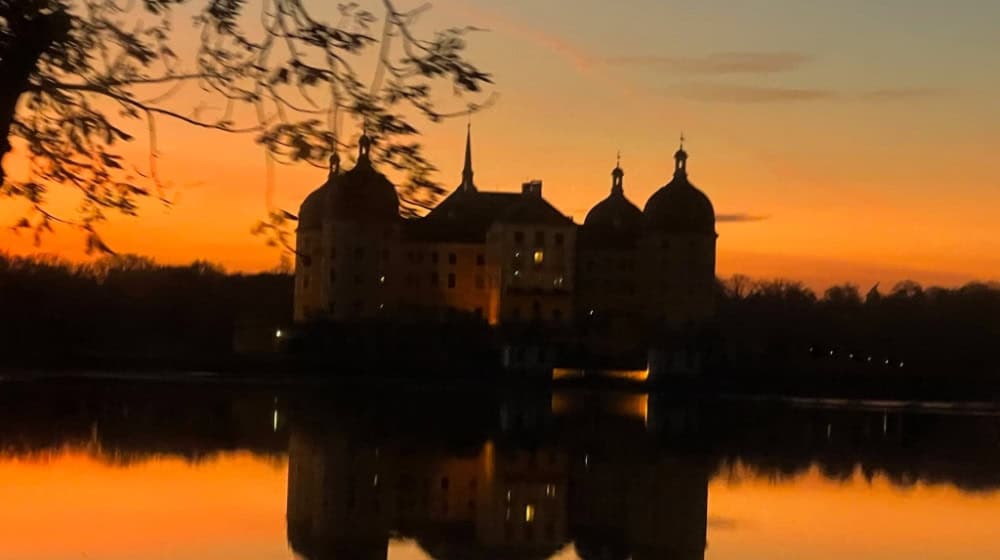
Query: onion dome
{"type": "Point", "coordinates": [679, 207]}
{"type": "Point", "coordinates": [313, 207]}
{"type": "Point", "coordinates": [360, 195]}
{"type": "Point", "coordinates": [615, 211]}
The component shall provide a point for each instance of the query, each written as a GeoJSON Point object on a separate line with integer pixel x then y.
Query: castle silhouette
{"type": "Point", "coordinates": [507, 258]}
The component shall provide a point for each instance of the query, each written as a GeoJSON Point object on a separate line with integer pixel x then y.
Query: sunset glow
{"type": "Point", "coordinates": [850, 141]}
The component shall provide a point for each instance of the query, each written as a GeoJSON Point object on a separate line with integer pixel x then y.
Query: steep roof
{"type": "Point", "coordinates": [466, 215]}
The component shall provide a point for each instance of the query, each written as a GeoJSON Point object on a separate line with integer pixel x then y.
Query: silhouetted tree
{"type": "Point", "coordinates": [129, 306]}
{"type": "Point", "coordinates": [78, 76]}
{"type": "Point", "coordinates": [947, 331]}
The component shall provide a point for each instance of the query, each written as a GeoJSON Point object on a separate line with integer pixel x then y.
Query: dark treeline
{"type": "Point", "coordinates": [131, 307]}
{"type": "Point", "coordinates": [784, 325]}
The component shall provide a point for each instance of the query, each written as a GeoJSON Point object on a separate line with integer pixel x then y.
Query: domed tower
{"type": "Point", "coordinates": [607, 267]}
{"type": "Point", "coordinates": [347, 236]}
{"type": "Point", "coordinates": [678, 251]}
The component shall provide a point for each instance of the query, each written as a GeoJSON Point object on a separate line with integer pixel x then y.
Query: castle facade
{"type": "Point", "coordinates": [506, 257]}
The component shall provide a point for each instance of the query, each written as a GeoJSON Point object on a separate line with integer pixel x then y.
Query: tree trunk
{"type": "Point", "coordinates": [31, 35]}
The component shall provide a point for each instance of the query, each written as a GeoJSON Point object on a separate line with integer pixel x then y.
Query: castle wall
{"type": "Point", "coordinates": [536, 271]}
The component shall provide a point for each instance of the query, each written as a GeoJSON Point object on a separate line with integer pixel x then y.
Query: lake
{"type": "Point", "coordinates": [106, 469]}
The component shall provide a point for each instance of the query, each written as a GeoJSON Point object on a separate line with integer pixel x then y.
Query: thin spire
{"type": "Point", "coordinates": [467, 182]}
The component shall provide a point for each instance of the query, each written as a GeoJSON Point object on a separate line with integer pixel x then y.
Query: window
{"type": "Point", "coordinates": [333, 275]}
{"type": "Point", "coordinates": [434, 279]}
{"type": "Point", "coordinates": [479, 315]}
{"type": "Point", "coordinates": [357, 278]}
{"type": "Point", "coordinates": [359, 253]}
{"type": "Point", "coordinates": [558, 282]}
{"type": "Point", "coordinates": [557, 315]}
{"type": "Point", "coordinates": [519, 237]}
{"type": "Point", "coordinates": [539, 256]}
{"type": "Point", "coordinates": [444, 483]}
{"type": "Point", "coordinates": [529, 513]}
{"type": "Point", "coordinates": [539, 238]}
{"type": "Point", "coordinates": [381, 280]}
{"type": "Point", "coordinates": [480, 282]}
{"type": "Point", "coordinates": [305, 281]}
{"type": "Point", "coordinates": [480, 260]}
{"type": "Point", "coordinates": [333, 252]}
{"type": "Point", "coordinates": [434, 257]}
{"type": "Point", "coordinates": [560, 239]}
{"type": "Point", "coordinates": [385, 254]}
{"type": "Point", "coordinates": [452, 258]}
{"type": "Point", "coordinates": [451, 280]}
{"type": "Point", "coordinates": [550, 490]}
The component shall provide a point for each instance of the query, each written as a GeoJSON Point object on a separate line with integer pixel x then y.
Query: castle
{"type": "Point", "coordinates": [507, 258]}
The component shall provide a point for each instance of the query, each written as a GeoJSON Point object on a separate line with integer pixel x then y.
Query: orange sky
{"type": "Point", "coordinates": [864, 135]}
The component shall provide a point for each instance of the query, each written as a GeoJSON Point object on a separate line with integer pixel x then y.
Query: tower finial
{"type": "Point", "coordinates": [334, 161]}
{"type": "Point", "coordinates": [467, 174]}
{"type": "Point", "coordinates": [680, 159]}
{"type": "Point", "coordinates": [617, 177]}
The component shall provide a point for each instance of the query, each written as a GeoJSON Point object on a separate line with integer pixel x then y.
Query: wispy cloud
{"type": "Point", "coordinates": [731, 93]}
{"type": "Point", "coordinates": [739, 217]}
{"type": "Point", "coordinates": [718, 63]}
{"type": "Point", "coordinates": [737, 93]}
{"type": "Point", "coordinates": [720, 522]}
{"type": "Point", "coordinates": [902, 94]}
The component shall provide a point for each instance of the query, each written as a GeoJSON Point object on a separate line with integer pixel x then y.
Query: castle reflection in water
{"type": "Point", "coordinates": [601, 485]}
{"type": "Point", "coordinates": [484, 475]}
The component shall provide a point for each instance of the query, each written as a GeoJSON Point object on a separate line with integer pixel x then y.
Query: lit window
{"type": "Point", "coordinates": [381, 279]}
{"type": "Point", "coordinates": [550, 490]}
{"type": "Point", "coordinates": [517, 274]}
{"type": "Point", "coordinates": [529, 513]}
{"type": "Point", "coordinates": [539, 257]}
{"type": "Point", "coordinates": [558, 282]}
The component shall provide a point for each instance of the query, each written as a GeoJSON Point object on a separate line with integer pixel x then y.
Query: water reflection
{"type": "Point", "coordinates": [524, 492]}
{"type": "Point", "coordinates": [521, 475]}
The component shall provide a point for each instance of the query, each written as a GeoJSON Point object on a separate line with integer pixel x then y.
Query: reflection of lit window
{"type": "Point", "coordinates": [529, 513]}
{"type": "Point", "coordinates": [508, 496]}
{"type": "Point", "coordinates": [550, 490]}
{"type": "Point", "coordinates": [517, 274]}
{"type": "Point", "coordinates": [539, 257]}
{"type": "Point", "coordinates": [558, 282]}
{"type": "Point", "coordinates": [381, 279]}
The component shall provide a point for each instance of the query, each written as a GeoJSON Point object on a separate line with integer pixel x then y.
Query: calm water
{"type": "Point", "coordinates": [202, 471]}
